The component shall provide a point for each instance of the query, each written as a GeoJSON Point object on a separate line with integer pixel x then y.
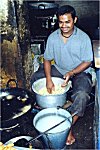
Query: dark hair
{"type": "Point", "coordinates": [66, 9]}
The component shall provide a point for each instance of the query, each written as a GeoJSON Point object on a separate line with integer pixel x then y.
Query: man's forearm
{"type": "Point", "coordinates": [47, 68]}
{"type": "Point", "coordinates": [83, 66]}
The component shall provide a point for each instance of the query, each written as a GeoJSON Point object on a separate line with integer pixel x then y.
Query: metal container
{"type": "Point", "coordinates": [43, 8]}
{"type": "Point", "coordinates": [15, 103]}
{"type": "Point", "coordinates": [48, 101]}
{"type": "Point", "coordinates": [48, 118]}
{"type": "Point", "coordinates": [15, 139]}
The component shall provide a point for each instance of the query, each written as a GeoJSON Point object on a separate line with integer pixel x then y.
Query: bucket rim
{"type": "Point", "coordinates": [37, 117]}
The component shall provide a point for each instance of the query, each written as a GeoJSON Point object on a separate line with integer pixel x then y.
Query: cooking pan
{"type": "Point", "coordinates": [52, 100]}
{"type": "Point", "coordinates": [15, 102]}
{"type": "Point", "coordinates": [43, 8]}
{"type": "Point", "coordinates": [21, 143]}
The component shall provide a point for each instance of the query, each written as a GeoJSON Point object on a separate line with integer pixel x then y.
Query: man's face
{"type": "Point", "coordinates": [66, 23]}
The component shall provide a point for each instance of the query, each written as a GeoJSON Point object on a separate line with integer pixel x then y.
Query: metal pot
{"type": "Point", "coordinates": [20, 141]}
{"type": "Point", "coordinates": [15, 102]}
{"type": "Point", "coordinates": [43, 8]}
{"type": "Point", "coordinates": [47, 101]}
{"type": "Point", "coordinates": [46, 119]}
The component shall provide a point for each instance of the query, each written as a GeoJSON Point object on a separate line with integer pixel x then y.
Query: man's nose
{"type": "Point", "coordinates": [63, 24]}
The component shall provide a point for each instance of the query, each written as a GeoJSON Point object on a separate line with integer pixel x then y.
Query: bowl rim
{"type": "Point", "coordinates": [40, 80]}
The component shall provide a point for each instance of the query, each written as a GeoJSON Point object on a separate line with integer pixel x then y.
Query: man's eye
{"type": "Point", "coordinates": [67, 22]}
{"type": "Point", "coordinates": [64, 22]}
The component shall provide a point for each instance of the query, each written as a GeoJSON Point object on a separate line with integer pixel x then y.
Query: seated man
{"type": "Point", "coordinates": [72, 52]}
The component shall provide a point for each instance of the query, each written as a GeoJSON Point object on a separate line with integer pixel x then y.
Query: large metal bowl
{"type": "Point", "coordinates": [47, 101]}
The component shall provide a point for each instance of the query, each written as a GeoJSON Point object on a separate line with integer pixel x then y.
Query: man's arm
{"type": "Point", "coordinates": [83, 66]}
{"type": "Point", "coordinates": [47, 69]}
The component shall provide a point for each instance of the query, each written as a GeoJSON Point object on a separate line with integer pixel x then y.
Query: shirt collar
{"type": "Point", "coordinates": [75, 30]}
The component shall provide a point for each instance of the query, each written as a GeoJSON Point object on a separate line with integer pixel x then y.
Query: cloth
{"type": "Point", "coordinates": [69, 55]}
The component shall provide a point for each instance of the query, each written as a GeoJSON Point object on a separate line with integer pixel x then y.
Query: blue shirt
{"type": "Point", "coordinates": [69, 55]}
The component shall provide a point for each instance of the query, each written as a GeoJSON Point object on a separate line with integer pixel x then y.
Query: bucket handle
{"type": "Point", "coordinates": [51, 128]}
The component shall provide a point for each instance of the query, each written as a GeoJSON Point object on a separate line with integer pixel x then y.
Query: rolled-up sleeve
{"type": "Point", "coordinates": [86, 50]}
{"type": "Point", "coordinates": [48, 54]}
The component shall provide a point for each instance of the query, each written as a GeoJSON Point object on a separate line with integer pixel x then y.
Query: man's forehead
{"type": "Point", "coordinates": [66, 16]}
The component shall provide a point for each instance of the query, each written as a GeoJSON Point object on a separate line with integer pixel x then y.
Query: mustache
{"type": "Point", "coordinates": [65, 27]}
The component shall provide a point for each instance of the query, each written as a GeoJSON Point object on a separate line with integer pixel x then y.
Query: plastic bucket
{"type": "Point", "coordinates": [47, 118]}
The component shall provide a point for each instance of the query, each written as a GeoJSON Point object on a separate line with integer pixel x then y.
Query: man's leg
{"type": "Point", "coordinates": [82, 86]}
{"type": "Point", "coordinates": [70, 138]}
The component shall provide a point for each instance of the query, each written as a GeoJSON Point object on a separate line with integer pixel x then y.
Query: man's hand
{"type": "Point", "coordinates": [50, 86]}
{"type": "Point", "coordinates": [67, 76]}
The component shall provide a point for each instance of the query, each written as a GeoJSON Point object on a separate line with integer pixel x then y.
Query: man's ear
{"type": "Point", "coordinates": [75, 20]}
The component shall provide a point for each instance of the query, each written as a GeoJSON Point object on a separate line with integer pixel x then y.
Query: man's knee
{"type": "Point", "coordinates": [80, 100]}
{"type": "Point", "coordinates": [81, 95]}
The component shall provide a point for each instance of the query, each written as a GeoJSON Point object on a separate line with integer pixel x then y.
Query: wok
{"type": "Point", "coordinates": [15, 102]}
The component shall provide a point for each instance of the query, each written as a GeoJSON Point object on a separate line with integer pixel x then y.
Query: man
{"type": "Point", "coordinates": [72, 52]}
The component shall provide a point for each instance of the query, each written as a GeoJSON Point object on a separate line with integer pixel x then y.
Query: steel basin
{"type": "Point", "coordinates": [48, 101]}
